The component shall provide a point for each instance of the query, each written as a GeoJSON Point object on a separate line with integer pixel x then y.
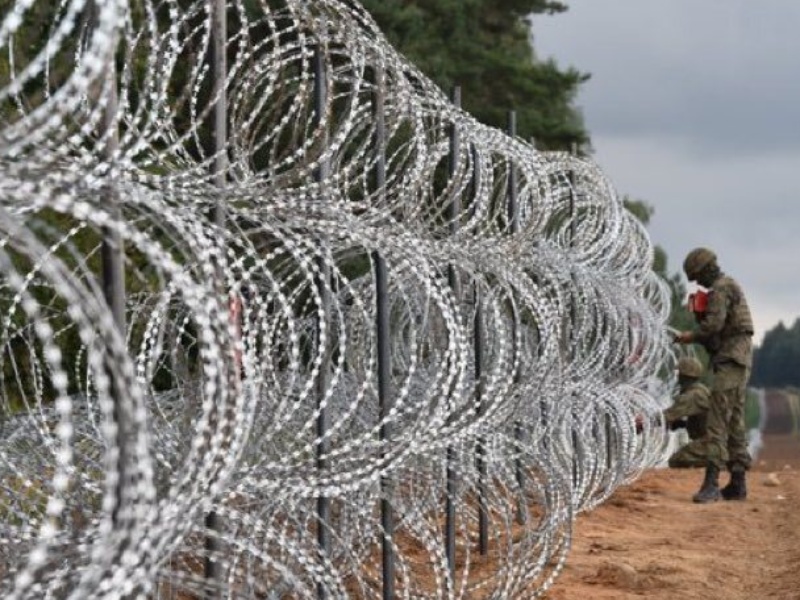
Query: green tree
{"type": "Point", "coordinates": [680, 318]}
{"type": "Point", "coordinates": [775, 360]}
{"type": "Point", "coordinates": [485, 47]}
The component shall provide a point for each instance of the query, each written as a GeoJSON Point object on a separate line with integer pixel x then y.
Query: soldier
{"type": "Point", "coordinates": [725, 331]}
{"type": "Point", "coordinates": [690, 410]}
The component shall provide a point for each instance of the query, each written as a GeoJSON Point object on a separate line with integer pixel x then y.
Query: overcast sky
{"type": "Point", "coordinates": [694, 107]}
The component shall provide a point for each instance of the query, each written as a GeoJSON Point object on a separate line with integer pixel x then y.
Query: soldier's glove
{"type": "Point", "coordinates": [677, 424]}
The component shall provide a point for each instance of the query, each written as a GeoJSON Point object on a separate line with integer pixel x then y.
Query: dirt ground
{"type": "Point", "coordinates": [650, 541]}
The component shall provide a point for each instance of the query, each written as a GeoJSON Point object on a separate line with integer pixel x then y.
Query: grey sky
{"type": "Point", "coordinates": [694, 107]}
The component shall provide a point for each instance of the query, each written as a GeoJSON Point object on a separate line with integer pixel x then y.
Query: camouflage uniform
{"type": "Point", "coordinates": [726, 332]}
{"type": "Point", "coordinates": [692, 403]}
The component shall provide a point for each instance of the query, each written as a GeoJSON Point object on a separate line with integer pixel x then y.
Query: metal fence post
{"type": "Point", "coordinates": [477, 343]}
{"type": "Point", "coordinates": [513, 222]}
{"type": "Point", "coordinates": [383, 333]}
{"type": "Point", "coordinates": [609, 441]}
{"type": "Point", "coordinates": [323, 444]}
{"type": "Point", "coordinates": [219, 69]}
{"type": "Point", "coordinates": [112, 258]}
{"type": "Point", "coordinates": [454, 216]}
{"type": "Point", "coordinates": [573, 228]}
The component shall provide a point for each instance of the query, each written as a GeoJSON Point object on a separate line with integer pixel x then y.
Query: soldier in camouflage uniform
{"type": "Point", "coordinates": [690, 410]}
{"type": "Point", "coordinates": [725, 331]}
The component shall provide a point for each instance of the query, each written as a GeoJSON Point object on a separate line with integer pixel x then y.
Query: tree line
{"type": "Point", "coordinates": [776, 360]}
{"type": "Point", "coordinates": [485, 47]}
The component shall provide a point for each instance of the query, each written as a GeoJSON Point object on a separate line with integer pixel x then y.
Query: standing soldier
{"type": "Point", "coordinates": [725, 331]}
{"type": "Point", "coordinates": [690, 410]}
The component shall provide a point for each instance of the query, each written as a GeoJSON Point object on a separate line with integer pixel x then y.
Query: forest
{"type": "Point", "coordinates": [776, 360]}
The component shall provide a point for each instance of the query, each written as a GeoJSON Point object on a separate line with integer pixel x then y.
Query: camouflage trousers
{"type": "Point", "coordinates": [726, 438]}
{"type": "Point", "coordinates": [690, 456]}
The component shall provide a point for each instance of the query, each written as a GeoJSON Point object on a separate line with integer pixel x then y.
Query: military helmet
{"type": "Point", "coordinates": [690, 367]}
{"type": "Point", "coordinates": [697, 260]}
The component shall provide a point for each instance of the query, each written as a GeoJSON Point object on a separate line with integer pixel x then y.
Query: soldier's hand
{"type": "Point", "coordinates": [683, 337]}
{"type": "Point", "coordinates": [677, 424]}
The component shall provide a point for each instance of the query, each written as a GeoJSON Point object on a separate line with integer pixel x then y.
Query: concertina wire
{"type": "Point", "coordinates": [525, 325]}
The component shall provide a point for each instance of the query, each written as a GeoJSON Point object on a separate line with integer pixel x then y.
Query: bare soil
{"type": "Point", "coordinates": [650, 541]}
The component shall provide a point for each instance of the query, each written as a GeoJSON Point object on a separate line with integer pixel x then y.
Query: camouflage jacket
{"type": "Point", "coordinates": [726, 328]}
{"type": "Point", "coordinates": [691, 403]}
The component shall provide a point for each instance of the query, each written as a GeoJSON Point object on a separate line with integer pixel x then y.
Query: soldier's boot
{"type": "Point", "coordinates": [736, 488]}
{"type": "Point", "coordinates": [709, 491]}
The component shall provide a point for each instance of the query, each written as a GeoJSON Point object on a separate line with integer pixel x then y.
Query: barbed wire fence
{"type": "Point", "coordinates": [280, 320]}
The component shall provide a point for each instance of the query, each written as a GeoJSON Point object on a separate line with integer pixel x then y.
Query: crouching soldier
{"type": "Point", "coordinates": [690, 410]}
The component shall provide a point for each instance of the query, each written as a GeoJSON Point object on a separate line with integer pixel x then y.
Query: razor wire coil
{"type": "Point", "coordinates": [524, 337]}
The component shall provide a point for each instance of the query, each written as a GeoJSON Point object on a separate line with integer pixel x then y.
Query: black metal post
{"type": "Point", "coordinates": [543, 408]}
{"type": "Point", "coordinates": [609, 442]}
{"type": "Point", "coordinates": [480, 451]}
{"type": "Point", "coordinates": [219, 69]}
{"type": "Point", "coordinates": [323, 444]}
{"type": "Point", "coordinates": [573, 233]}
{"type": "Point", "coordinates": [477, 343]}
{"type": "Point", "coordinates": [383, 344]}
{"type": "Point", "coordinates": [454, 217]}
{"type": "Point", "coordinates": [513, 223]}
{"type": "Point", "coordinates": [113, 267]}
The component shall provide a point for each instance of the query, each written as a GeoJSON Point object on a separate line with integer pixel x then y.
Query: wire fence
{"type": "Point", "coordinates": [280, 320]}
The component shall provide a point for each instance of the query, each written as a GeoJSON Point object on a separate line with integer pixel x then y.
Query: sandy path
{"type": "Point", "coordinates": [649, 540]}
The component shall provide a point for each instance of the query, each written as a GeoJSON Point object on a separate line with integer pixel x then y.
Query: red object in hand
{"type": "Point", "coordinates": [698, 302]}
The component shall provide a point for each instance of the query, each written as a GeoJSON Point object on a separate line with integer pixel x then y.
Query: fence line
{"type": "Point", "coordinates": [405, 345]}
